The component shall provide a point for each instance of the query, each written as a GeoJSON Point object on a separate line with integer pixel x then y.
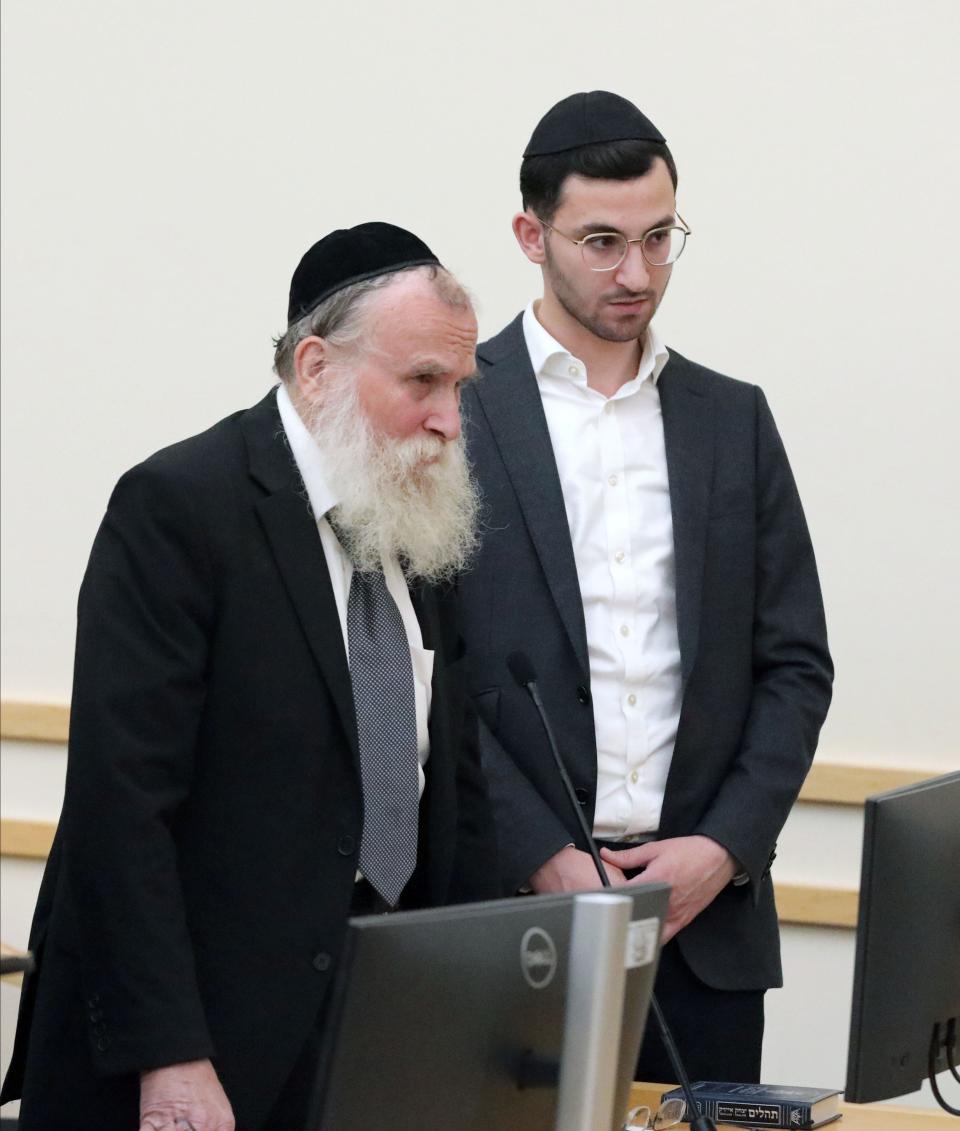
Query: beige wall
{"type": "Point", "coordinates": [165, 164]}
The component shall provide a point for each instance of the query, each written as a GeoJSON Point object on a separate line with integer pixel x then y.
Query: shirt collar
{"type": "Point", "coordinates": [548, 356]}
{"type": "Point", "coordinates": [307, 456]}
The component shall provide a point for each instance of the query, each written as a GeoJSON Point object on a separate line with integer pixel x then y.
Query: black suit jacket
{"type": "Point", "coordinates": [197, 895]}
{"type": "Point", "coordinates": [756, 671]}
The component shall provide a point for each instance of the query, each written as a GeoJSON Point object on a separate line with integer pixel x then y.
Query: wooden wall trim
{"type": "Point", "coordinates": [838, 783]}
{"type": "Point", "coordinates": [831, 783]}
{"type": "Point", "coordinates": [35, 722]}
{"type": "Point", "coordinates": [816, 905]}
{"type": "Point", "coordinates": [796, 903]}
{"type": "Point", "coordinates": [28, 840]}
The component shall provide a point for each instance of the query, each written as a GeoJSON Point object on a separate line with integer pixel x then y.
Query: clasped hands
{"type": "Point", "coordinates": [696, 868]}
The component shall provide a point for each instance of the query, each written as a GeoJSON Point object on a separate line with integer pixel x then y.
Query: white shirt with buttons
{"type": "Point", "coordinates": [612, 463]}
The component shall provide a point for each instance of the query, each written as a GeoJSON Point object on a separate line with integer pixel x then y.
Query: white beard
{"type": "Point", "coordinates": [392, 502]}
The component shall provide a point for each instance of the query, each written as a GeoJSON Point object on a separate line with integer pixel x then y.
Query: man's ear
{"type": "Point", "coordinates": [530, 234]}
{"type": "Point", "coordinates": [310, 360]}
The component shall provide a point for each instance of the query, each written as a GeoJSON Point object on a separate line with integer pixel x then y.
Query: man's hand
{"type": "Point", "coordinates": [696, 867]}
{"type": "Point", "coordinates": [184, 1097]}
{"type": "Point", "coordinates": [571, 870]}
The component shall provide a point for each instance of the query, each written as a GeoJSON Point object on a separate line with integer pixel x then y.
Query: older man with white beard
{"type": "Point", "coordinates": [269, 728]}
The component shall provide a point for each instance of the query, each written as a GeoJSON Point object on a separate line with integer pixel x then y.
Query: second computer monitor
{"type": "Point", "coordinates": [907, 975]}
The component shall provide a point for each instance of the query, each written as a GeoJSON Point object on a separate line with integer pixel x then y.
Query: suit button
{"type": "Point", "coordinates": [346, 845]}
{"type": "Point", "coordinates": [583, 695]}
{"type": "Point", "coordinates": [103, 1044]}
{"type": "Point", "coordinates": [100, 1029]}
{"type": "Point", "coordinates": [321, 962]}
{"type": "Point", "coordinates": [582, 796]}
{"type": "Point", "coordinates": [93, 1001]}
{"type": "Point", "coordinates": [96, 1015]}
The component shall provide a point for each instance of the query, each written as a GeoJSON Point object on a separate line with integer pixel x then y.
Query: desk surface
{"type": "Point", "coordinates": [856, 1117]}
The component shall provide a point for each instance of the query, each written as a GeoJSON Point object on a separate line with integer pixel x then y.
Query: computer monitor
{"type": "Point", "coordinates": [906, 983]}
{"type": "Point", "coordinates": [502, 1014]}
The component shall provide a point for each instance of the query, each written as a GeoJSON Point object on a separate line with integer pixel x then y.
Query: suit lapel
{"type": "Point", "coordinates": [511, 402]}
{"type": "Point", "coordinates": [689, 437]}
{"type": "Point", "coordinates": [291, 530]}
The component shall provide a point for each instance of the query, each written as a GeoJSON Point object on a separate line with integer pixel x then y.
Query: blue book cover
{"type": "Point", "coordinates": [764, 1105]}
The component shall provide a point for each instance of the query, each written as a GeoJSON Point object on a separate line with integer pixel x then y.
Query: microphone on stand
{"type": "Point", "coordinates": [523, 672]}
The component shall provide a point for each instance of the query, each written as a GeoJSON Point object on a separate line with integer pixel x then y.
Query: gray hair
{"type": "Point", "coordinates": [339, 319]}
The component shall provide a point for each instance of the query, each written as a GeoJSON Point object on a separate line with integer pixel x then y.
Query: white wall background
{"type": "Point", "coordinates": [166, 164]}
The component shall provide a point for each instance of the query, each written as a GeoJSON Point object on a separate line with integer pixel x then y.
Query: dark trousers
{"type": "Point", "coordinates": [719, 1033]}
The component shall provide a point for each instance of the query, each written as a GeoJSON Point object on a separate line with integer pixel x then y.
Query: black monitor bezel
{"type": "Point", "coordinates": [911, 836]}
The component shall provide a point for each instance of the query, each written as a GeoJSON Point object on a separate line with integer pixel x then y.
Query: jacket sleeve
{"type": "Point", "coordinates": [146, 613]}
{"type": "Point", "coordinates": [476, 867]}
{"type": "Point", "coordinates": [792, 670]}
{"type": "Point", "coordinates": [530, 832]}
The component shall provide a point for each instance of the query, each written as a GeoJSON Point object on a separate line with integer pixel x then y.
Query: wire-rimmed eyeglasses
{"type": "Point", "coordinates": [642, 1118]}
{"type": "Point", "coordinates": [605, 251]}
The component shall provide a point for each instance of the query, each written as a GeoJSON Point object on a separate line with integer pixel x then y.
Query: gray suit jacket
{"type": "Point", "coordinates": [756, 670]}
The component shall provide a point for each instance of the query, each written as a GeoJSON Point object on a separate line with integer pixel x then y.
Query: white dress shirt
{"type": "Point", "coordinates": [612, 463]}
{"type": "Point", "coordinates": [310, 463]}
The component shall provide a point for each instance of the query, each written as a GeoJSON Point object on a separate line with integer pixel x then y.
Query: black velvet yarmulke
{"type": "Point", "coordinates": [349, 255]}
{"type": "Point", "coordinates": [588, 118]}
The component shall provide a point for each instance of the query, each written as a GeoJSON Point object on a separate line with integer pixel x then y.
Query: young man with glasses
{"type": "Point", "coordinates": [645, 546]}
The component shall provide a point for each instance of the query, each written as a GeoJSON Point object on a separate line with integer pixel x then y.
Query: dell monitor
{"type": "Point", "coordinates": [525, 1012]}
{"type": "Point", "coordinates": [906, 987]}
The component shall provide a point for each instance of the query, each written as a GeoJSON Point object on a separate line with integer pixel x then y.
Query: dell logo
{"type": "Point", "coordinates": [538, 958]}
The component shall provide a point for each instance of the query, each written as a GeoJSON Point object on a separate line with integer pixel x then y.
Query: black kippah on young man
{"type": "Point", "coordinates": [590, 118]}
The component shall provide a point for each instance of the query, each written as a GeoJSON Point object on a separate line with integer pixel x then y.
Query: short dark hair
{"type": "Point", "coordinates": [542, 177]}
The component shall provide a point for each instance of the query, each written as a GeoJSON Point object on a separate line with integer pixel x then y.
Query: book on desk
{"type": "Point", "coordinates": [764, 1105]}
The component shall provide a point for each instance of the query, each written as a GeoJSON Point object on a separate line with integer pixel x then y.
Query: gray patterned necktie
{"type": "Point", "coordinates": [383, 697]}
